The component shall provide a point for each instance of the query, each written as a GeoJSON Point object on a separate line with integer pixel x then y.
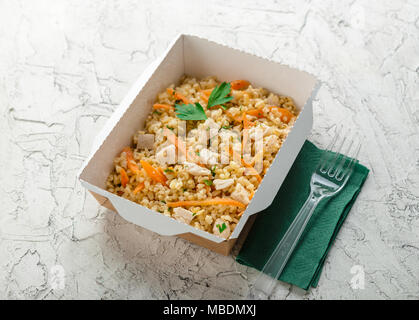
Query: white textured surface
{"type": "Point", "coordinates": [65, 65]}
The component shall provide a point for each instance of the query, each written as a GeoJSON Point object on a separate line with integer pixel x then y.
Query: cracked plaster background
{"type": "Point", "coordinates": [65, 66]}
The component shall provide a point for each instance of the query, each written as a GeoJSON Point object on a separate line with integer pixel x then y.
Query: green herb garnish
{"type": "Point", "coordinates": [171, 128]}
{"type": "Point", "coordinates": [220, 95]}
{"type": "Point", "coordinates": [222, 227]}
{"type": "Point", "coordinates": [213, 170]}
{"type": "Point", "coordinates": [190, 111]}
{"type": "Point", "coordinates": [194, 214]}
{"type": "Point", "coordinates": [208, 182]}
{"type": "Point", "coordinates": [227, 127]}
{"type": "Point", "coordinates": [168, 170]}
{"type": "Point", "coordinates": [156, 112]}
{"type": "Point", "coordinates": [197, 153]}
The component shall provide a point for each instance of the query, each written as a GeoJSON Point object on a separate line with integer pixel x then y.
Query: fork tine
{"type": "Point", "coordinates": [347, 172]}
{"type": "Point", "coordinates": [332, 169]}
{"type": "Point", "coordinates": [345, 156]}
{"type": "Point", "coordinates": [324, 159]}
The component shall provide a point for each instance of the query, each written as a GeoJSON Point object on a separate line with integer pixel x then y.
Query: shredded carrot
{"type": "Point", "coordinates": [130, 160]}
{"type": "Point", "coordinates": [207, 92]}
{"type": "Point", "coordinates": [138, 188]}
{"type": "Point", "coordinates": [162, 106]}
{"type": "Point", "coordinates": [286, 115]}
{"type": "Point", "coordinates": [253, 170]}
{"type": "Point", "coordinates": [124, 177]}
{"type": "Point", "coordinates": [161, 171]}
{"type": "Point", "coordinates": [239, 84]}
{"type": "Point", "coordinates": [153, 173]}
{"type": "Point", "coordinates": [246, 122]}
{"type": "Point", "coordinates": [247, 165]}
{"type": "Point", "coordinates": [251, 195]}
{"type": "Point", "coordinates": [256, 113]}
{"type": "Point", "coordinates": [179, 144]}
{"type": "Point", "coordinates": [240, 214]}
{"type": "Point", "coordinates": [204, 97]}
{"type": "Point", "coordinates": [177, 95]}
{"type": "Point", "coordinates": [171, 137]}
{"type": "Point", "coordinates": [209, 202]}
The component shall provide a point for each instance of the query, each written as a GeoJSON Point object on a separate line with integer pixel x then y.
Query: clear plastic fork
{"type": "Point", "coordinates": [331, 175]}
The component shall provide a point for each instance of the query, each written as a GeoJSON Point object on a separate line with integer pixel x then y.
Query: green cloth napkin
{"type": "Point", "coordinates": [305, 265]}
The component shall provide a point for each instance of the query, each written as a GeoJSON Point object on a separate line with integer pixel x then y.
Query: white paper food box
{"type": "Point", "coordinates": [199, 58]}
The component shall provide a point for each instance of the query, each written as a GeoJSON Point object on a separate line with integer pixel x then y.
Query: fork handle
{"type": "Point", "coordinates": [267, 278]}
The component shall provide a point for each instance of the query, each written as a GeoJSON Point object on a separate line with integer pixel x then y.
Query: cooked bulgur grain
{"type": "Point", "coordinates": [149, 173]}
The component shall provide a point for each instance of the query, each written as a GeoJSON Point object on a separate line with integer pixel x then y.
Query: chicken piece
{"type": "Point", "coordinates": [220, 224]}
{"type": "Point", "coordinates": [240, 194]}
{"type": "Point", "coordinates": [145, 141]}
{"type": "Point", "coordinates": [196, 170]}
{"type": "Point", "coordinates": [208, 156]}
{"type": "Point", "coordinates": [182, 215]}
{"type": "Point", "coordinates": [220, 184]}
{"type": "Point", "coordinates": [167, 155]}
{"type": "Point", "coordinates": [212, 127]}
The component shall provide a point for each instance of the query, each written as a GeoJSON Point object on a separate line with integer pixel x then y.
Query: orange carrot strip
{"type": "Point", "coordinates": [256, 113]}
{"type": "Point", "coordinates": [240, 214]}
{"type": "Point", "coordinates": [254, 172]}
{"type": "Point", "coordinates": [138, 188]}
{"type": "Point", "coordinates": [239, 84]}
{"type": "Point", "coordinates": [205, 98]}
{"type": "Point", "coordinates": [124, 177]}
{"type": "Point", "coordinates": [130, 160]}
{"type": "Point", "coordinates": [178, 96]}
{"type": "Point", "coordinates": [174, 140]}
{"type": "Point", "coordinates": [246, 122]}
{"type": "Point", "coordinates": [209, 202]}
{"type": "Point", "coordinates": [162, 106]}
{"type": "Point", "coordinates": [179, 144]}
{"type": "Point", "coordinates": [153, 173]}
{"type": "Point", "coordinates": [161, 172]}
{"type": "Point", "coordinates": [207, 92]}
{"type": "Point", "coordinates": [286, 115]}
{"type": "Point", "coordinates": [245, 164]}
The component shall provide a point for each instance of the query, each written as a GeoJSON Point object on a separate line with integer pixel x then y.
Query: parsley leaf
{"type": "Point", "coordinates": [208, 182]}
{"type": "Point", "coordinates": [227, 127]}
{"type": "Point", "coordinates": [213, 170]}
{"type": "Point", "coordinates": [222, 227]}
{"type": "Point", "coordinates": [190, 111]}
{"type": "Point", "coordinates": [220, 95]}
{"type": "Point", "coordinates": [171, 128]}
{"type": "Point", "coordinates": [168, 170]}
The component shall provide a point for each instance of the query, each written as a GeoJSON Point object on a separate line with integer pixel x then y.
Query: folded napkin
{"type": "Point", "coordinates": [304, 266]}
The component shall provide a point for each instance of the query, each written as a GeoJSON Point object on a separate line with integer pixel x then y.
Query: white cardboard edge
{"type": "Point", "coordinates": [148, 218]}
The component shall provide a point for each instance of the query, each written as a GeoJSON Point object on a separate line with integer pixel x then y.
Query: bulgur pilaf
{"type": "Point", "coordinates": [195, 171]}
